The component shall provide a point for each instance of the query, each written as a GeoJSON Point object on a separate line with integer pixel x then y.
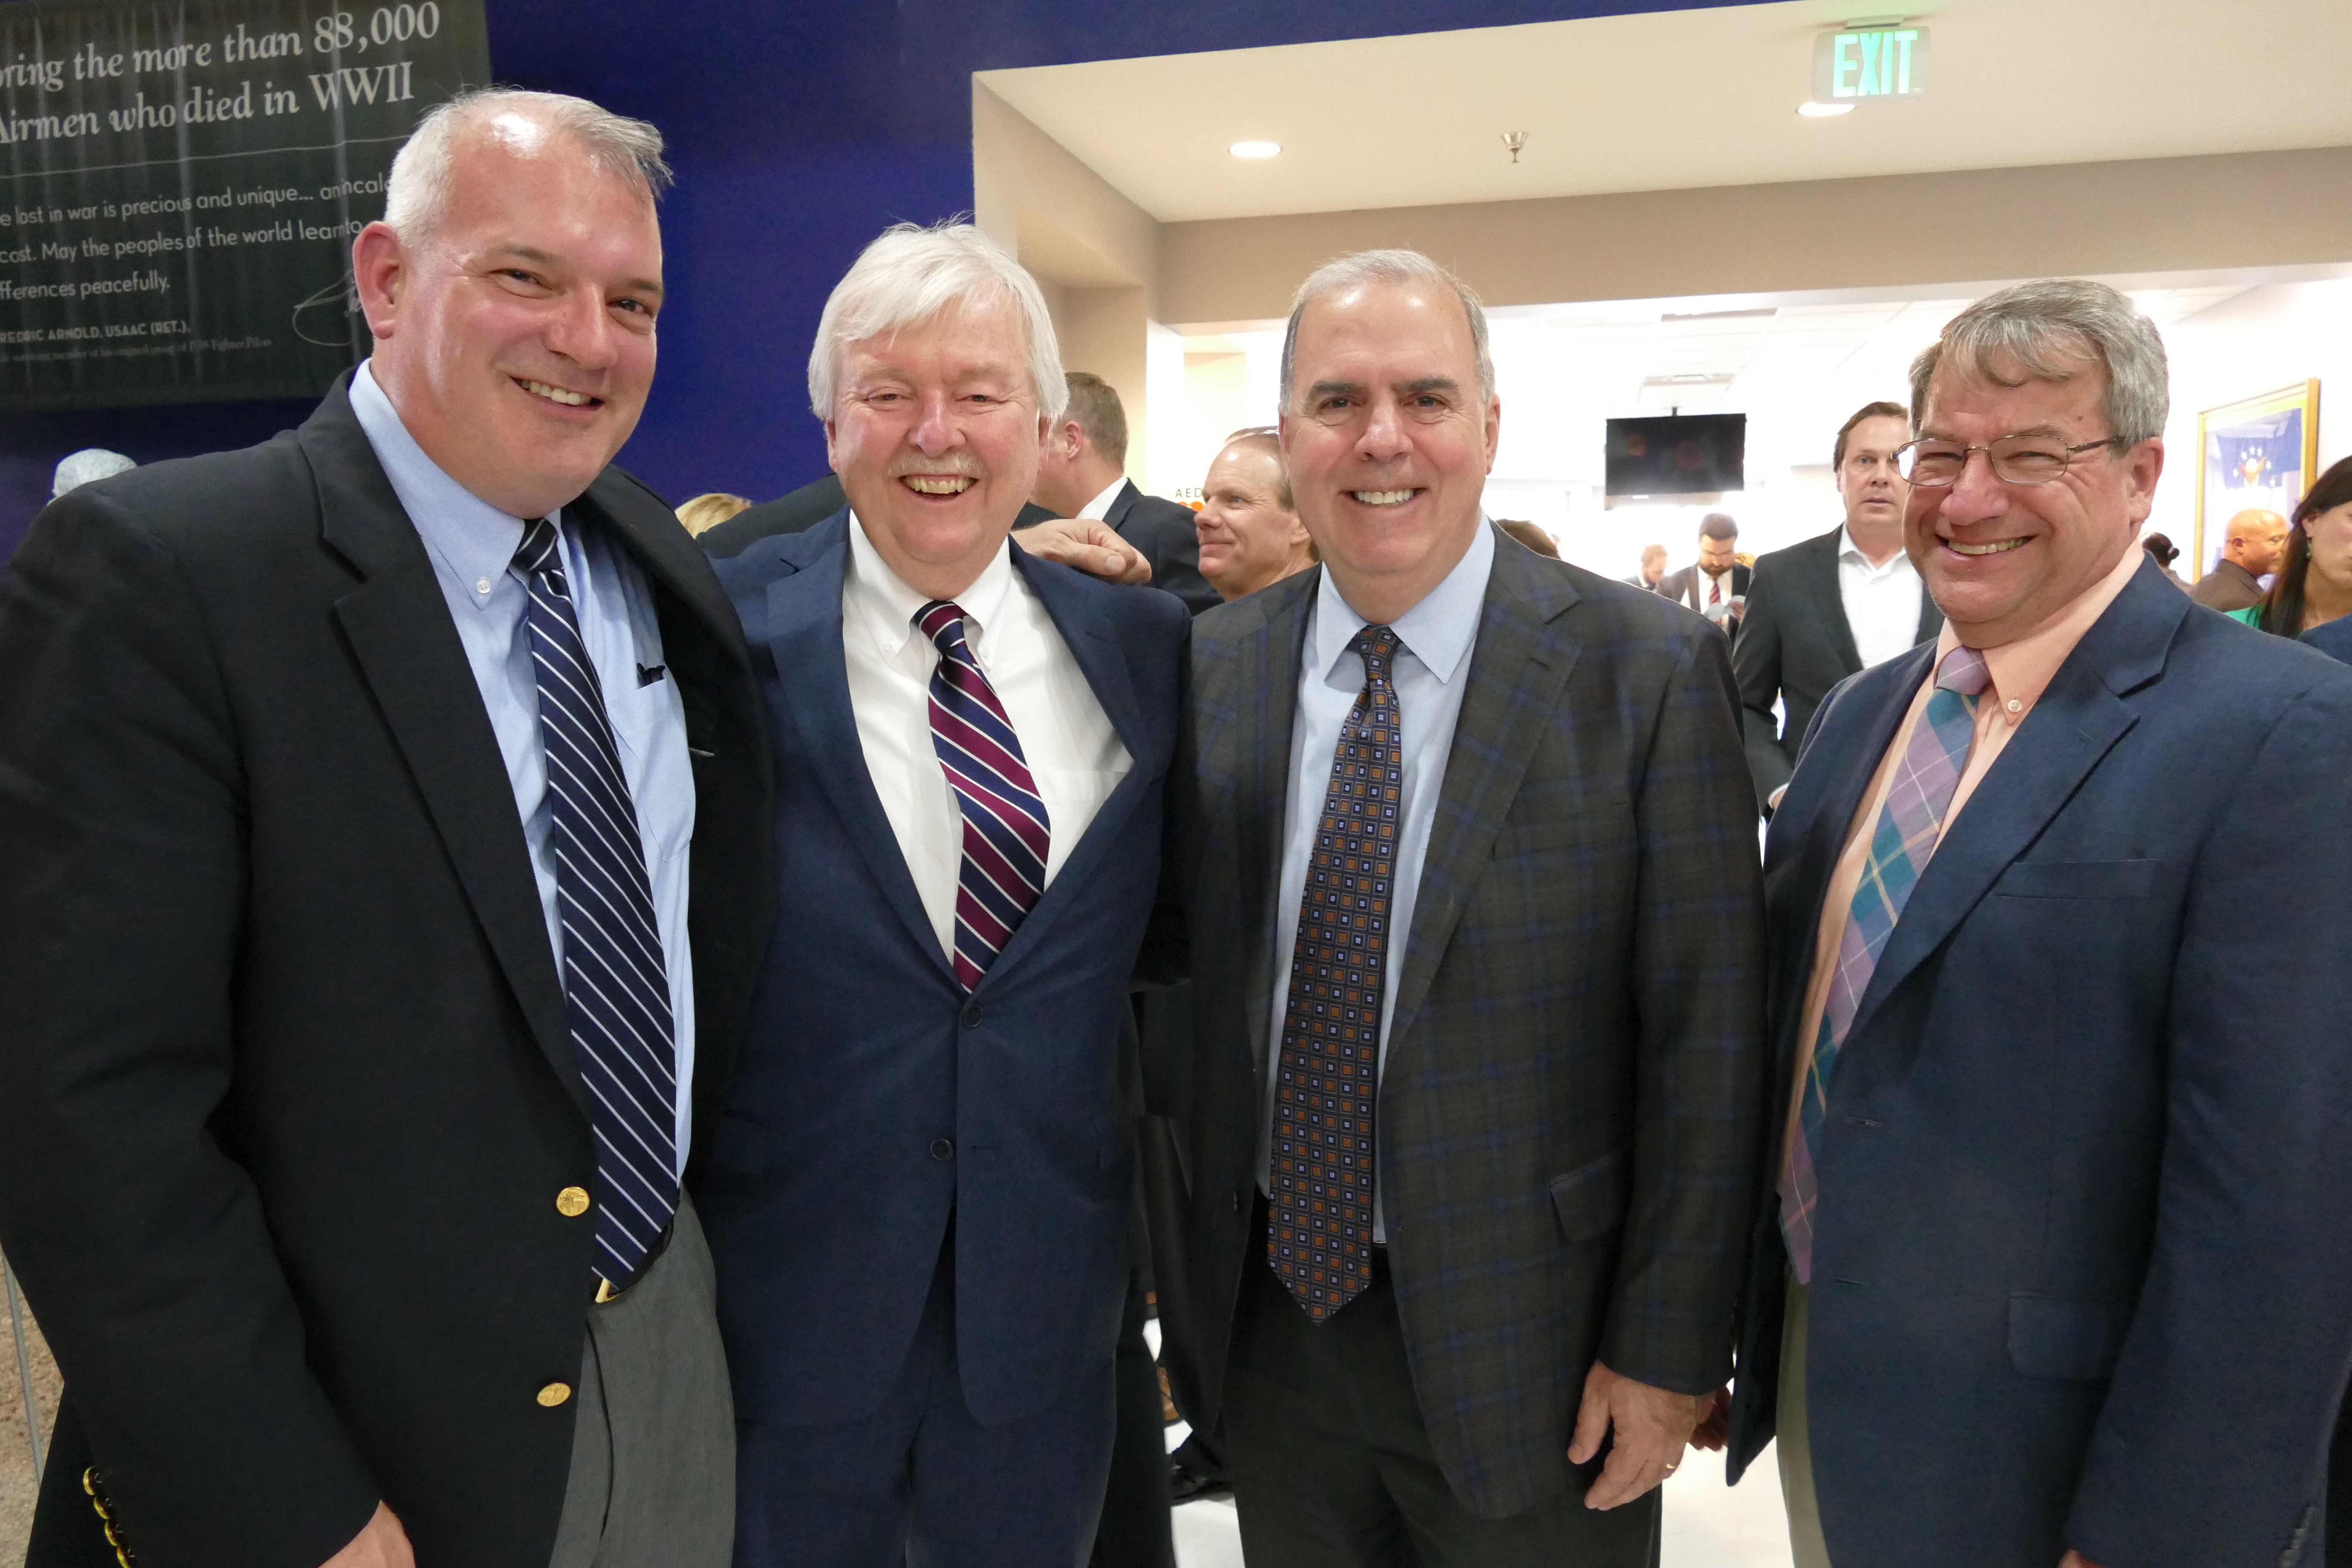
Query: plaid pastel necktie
{"type": "Point", "coordinates": [1908, 827]}
{"type": "Point", "coordinates": [1319, 1220]}
{"type": "Point", "coordinates": [1005, 830]}
{"type": "Point", "coordinates": [616, 982]}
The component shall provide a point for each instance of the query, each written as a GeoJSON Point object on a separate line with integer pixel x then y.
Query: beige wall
{"type": "Point", "coordinates": [2242, 210]}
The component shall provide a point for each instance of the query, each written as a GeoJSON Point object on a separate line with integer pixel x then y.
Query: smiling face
{"type": "Point", "coordinates": [2003, 559]}
{"type": "Point", "coordinates": [936, 435]}
{"type": "Point", "coordinates": [1388, 441]}
{"type": "Point", "coordinates": [1247, 538]}
{"type": "Point", "coordinates": [516, 337]}
{"type": "Point", "coordinates": [1868, 481]}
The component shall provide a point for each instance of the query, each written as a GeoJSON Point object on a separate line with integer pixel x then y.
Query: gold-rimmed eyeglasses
{"type": "Point", "coordinates": [2018, 459]}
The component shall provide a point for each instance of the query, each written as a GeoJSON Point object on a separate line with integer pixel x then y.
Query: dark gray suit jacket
{"type": "Point", "coordinates": [1575, 1072]}
{"type": "Point", "coordinates": [1795, 646]}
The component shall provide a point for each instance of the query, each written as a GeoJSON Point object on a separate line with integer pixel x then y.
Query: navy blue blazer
{"type": "Point", "coordinates": [874, 1101]}
{"type": "Point", "coordinates": [2334, 639]}
{"type": "Point", "coordinates": [2083, 1276]}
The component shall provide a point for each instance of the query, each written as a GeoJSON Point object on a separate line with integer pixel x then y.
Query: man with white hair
{"type": "Point", "coordinates": [2051, 1268]}
{"type": "Point", "coordinates": [1477, 967]}
{"type": "Point", "coordinates": [354, 1013]}
{"type": "Point", "coordinates": [920, 1198]}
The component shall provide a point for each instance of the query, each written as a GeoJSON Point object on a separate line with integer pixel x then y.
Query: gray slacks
{"type": "Point", "coordinates": [1793, 1438]}
{"type": "Point", "coordinates": [653, 1456]}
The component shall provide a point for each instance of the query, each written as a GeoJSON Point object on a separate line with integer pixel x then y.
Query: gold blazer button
{"type": "Point", "coordinates": [554, 1394]}
{"type": "Point", "coordinates": [571, 1201]}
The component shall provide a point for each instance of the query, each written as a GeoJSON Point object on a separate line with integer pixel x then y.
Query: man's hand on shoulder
{"type": "Point", "coordinates": [2077, 1559]}
{"type": "Point", "coordinates": [1651, 1425]}
{"type": "Point", "coordinates": [1092, 547]}
{"type": "Point", "coordinates": [382, 1545]}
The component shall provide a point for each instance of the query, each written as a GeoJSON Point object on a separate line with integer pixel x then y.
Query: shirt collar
{"type": "Point", "coordinates": [2023, 669]}
{"type": "Point", "coordinates": [1100, 508]}
{"type": "Point", "coordinates": [475, 540]}
{"type": "Point", "coordinates": [1438, 631]}
{"type": "Point", "coordinates": [881, 598]}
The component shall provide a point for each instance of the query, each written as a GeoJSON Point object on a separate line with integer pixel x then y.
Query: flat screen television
{"type": "Point", "coordinates": [1679, 455]}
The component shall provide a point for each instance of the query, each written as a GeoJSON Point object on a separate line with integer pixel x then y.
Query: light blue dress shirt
{"type": "Point", "coordinates": [472, 546]}
{"type": "Point", "coordinates": [1429, 673]}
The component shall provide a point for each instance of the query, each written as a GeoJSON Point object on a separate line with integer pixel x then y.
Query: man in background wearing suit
{"type": "Point", "coordinates": [1083, 475]}
{"type": "Point", "coordinates": [356, 1028]}
{"type": "Point", "coordinates": [2253, 546]}
{"type": "Point", "coordinates": [1715, 583]}
{"type": "Point", "coordinates": [1654, 569]}
{"type": "Point", "coordinates": [921, 1192]}
{"type": "Point", "coordinates": [1819, 611]}
{"type": "Point", "coordinates": [2065, 1119]}
{"type": "Point", "coordinates": [1475, 943]}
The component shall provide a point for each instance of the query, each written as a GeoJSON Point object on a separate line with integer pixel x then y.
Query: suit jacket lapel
{"type": "Point", "coordinates": [2075, 724]}
{"type": "Point", "coordinates": [1517, 670]}
{"type": "Point", "coordinates": [398, 625]}
{"type": "Point", "coordinates": [811, 686]}
{"type": "Point", "coordinates": [1265, 677]}
{"type": "Point", "coordinates": [1829, 607]}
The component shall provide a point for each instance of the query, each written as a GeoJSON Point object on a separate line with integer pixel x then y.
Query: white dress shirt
{"type": "Point", "coordinates": [1882, 602]}
{"type": "Point", "coordinates": [472, 545]}
{"type": "Point", "coordinates": [1071, 751]}
{"type": "Point", "coordinates": [1098, 509]}
{"type": "Point", "coordinates": [1430, 672]}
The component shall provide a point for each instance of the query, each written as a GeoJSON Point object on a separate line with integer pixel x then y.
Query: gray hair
{"type": "Point", "coordinates": [912, 274]}
{"type": "Point", "coordinates": [1406, 267]}
{"type": "Point", "coordinates": [2049, 327]}
{"type": "Point", "coordinates": [416, 194]}
{"type": "Point", "coordinates": [87, 467]}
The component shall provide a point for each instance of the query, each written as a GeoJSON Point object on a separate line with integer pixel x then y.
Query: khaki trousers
{"type": "Point", "coordinates": [1794, 1439]}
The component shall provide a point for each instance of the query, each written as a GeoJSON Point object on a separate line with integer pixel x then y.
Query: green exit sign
{"type": "Point", "coordinates": [1865, 65]}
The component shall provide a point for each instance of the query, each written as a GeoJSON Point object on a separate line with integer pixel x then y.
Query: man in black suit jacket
{"type": "Point", "coordinates": [299, 1148]}
{"type": "Point", "coordinates": [1558, 1030]}
{"type": "Point", "coordinates": [1812, 606]}
{"type": "Point", "coordinates": [1715, 583]}
{"type": "Point", "coordinates": [1083, 475]}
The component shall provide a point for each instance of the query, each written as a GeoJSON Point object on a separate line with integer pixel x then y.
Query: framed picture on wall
{"type": "Point", "coordinates": [2256, 454]}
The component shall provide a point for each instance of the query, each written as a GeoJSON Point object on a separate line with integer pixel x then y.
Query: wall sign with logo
{"type": "Point", "coordinates": [1863, 64]}
{"type": "Point", "coordinates": [180, 183]}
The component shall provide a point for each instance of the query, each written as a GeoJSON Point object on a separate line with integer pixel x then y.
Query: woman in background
{"type": "Point", "coordinates": [2314, 586]}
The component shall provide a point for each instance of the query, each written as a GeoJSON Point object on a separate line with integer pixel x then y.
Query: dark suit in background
{"type": "Point", "coordinates": [1570, 1110]}
{"type": "Point", "coordinates": [2079, 1276]}
{"type": "Point", "coordinates": [882, 1116]}
{"type": "Point", "coordinates": [1169, 538]}
{"type": "Point", "coordinates": [2228, 586]}
{"type": "Point", "coordinates": [287, 1089]}
{"type": "Point", "coordinates": [1689, 586]}
{"type": "Point", "coordinates": [1794, 645]}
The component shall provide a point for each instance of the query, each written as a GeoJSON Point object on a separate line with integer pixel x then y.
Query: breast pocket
{"type": "Point", "coordinates": [649, 728]}
{"type": "Point", "coordinates": [2078, 880]}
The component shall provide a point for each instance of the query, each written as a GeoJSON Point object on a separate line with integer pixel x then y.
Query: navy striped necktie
{"type": "Point", "coordinates": [1005, 831]}
{"type": "Point", "coordinates": [615, 983]}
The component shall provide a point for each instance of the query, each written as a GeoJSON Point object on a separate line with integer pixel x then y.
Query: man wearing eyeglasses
{"type": "Point", "coordinates": [2051, 1268]}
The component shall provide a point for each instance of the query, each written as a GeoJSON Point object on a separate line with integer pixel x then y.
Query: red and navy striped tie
{"type": "Point", "coordinates": [615, 983]}
{"type": "Point", "coordinates": [1005, 832]}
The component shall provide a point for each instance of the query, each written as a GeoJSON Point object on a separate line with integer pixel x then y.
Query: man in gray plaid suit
{"type": "Point", "coordinates": [1475, 921]}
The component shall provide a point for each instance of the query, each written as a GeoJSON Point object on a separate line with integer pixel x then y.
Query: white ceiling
{"type": "Point", "coordinates": [1689, 99]}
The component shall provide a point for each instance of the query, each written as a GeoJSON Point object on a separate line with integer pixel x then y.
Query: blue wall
{"type": "Point", "coordinates": [798, 132]}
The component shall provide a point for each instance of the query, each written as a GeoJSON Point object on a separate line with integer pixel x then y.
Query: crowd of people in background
{"type": "Point", "coordinates": [537, 1035]}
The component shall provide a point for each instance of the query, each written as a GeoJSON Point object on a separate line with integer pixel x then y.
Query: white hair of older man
{"type": "Point", "coordinates": [2048, 329]}
{"type": "Point", "coordinates": [912, 274]}
{"type": "Point", "coordinates": [1396, 267]}
{"type": "Point", "coordinates": [92, 463]}
{"type": "Point", "coordinates": [416, 195]}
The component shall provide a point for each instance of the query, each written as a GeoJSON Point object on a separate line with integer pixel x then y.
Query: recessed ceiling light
{"type": "Point", "coordinates": [1825, 110]}
{"type": "Point", "coordinates": [1255, 149]}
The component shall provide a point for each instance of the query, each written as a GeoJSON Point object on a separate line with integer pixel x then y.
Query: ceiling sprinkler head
{"type": "Point", "coordinates": [1514, 140]}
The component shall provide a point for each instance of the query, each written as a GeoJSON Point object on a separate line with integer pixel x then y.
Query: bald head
{"type": "Point", "coordinates": [2256, 539]}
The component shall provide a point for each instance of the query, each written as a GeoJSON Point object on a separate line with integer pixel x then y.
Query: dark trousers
{"type": "Point", "coordinates": [921, 1482]}
{"type": "Point", "coordinates": [1136, 1531]}
{"type": "Point", "coordinates": [1332, 1466]}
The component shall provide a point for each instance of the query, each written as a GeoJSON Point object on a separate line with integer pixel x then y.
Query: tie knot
{"type": "Point", "coordinates": [941, 620]}
{"type": "Point", "coordinates": [1964, 670]}
{"type": "Point", "coordinates": [1377, 646]}
{"type": "Point", "coordinates": [537, 547]}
